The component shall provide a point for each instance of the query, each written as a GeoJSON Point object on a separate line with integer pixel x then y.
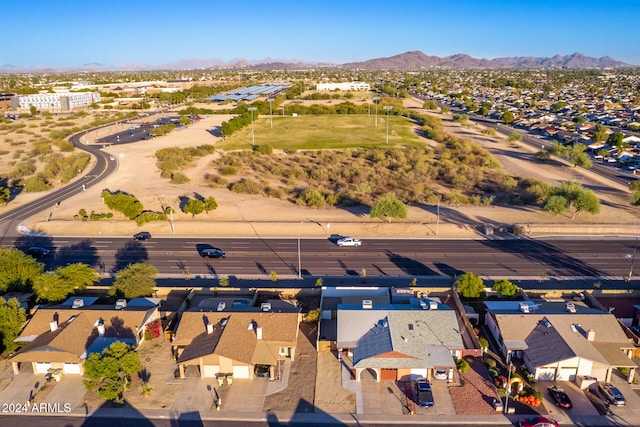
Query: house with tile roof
{"type": "Point", "coordinates": [220, 343]}
{"type": "Point", "coordinates": [398, 341]}
{"type": "Point", "coordinates": [560, 341]}
{"type": "Point", "coordinates": [62, 336]}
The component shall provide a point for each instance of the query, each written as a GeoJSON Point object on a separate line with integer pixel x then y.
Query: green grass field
{"type": "Point", "coordinates": [324, 132]}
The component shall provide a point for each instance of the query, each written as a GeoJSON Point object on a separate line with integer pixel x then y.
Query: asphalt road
{"type": "Point", "coordinates": [103, 167]}
{"type": "Point", "coordinates": [584, 258]}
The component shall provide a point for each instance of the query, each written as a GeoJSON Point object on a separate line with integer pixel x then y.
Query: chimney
{"type": "Point", "coordinates": [259, 332]}
{"type": "Point", "coordinates": [209, 328]}
{"type": "Point", "coordinates": [53, 325]}
{"type": "Point", "coordinates": [591, 335]}
{"type": "Point", "coordinates": [101, 329]}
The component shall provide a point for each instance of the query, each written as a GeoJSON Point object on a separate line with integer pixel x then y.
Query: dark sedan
{"type": "Point", "coordinates": [560, 397]}
{"type": "Point", "coordinates": [37, 251]}
{"type": "Point", "coordinates": [213, 253]}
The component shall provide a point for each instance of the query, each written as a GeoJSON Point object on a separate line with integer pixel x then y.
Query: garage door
{"type": "Point", "coordinates": [72, 368]}
{"type": "Point", "coordinates": [546, 374]}
{"type": "Point", "coordinates": [241, 372]}
{"type": "Point", "coordinates": [388, 374]}
{"type": "Point", "coordinates": [42, 367]}
{"type": "Point", "coordinates": [566, 374]}
{"type": "Point", "coordinates": [210, 371]}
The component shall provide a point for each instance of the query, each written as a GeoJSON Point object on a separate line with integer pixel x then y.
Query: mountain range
{"type": "Point", "coordinates": [412, 60]}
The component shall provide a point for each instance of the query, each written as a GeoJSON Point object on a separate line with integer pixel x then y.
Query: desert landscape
{"type": "Point", "coordinates": [252, 215]}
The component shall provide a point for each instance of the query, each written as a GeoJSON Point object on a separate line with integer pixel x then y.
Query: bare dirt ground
{"type": "Point", "coordinates": [247, 215]}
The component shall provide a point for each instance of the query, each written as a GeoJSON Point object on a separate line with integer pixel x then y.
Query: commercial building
{"type": "Point", "coordinates": [55, 101]}
{"type": "Point", "coordinates": [346, 86]}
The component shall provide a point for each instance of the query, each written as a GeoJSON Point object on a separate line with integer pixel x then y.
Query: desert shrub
{"type": "Point", "coordinates": [216, 181]}
{"type": "Point", "coordinates": [36, 183]}
{"type": "Point", "coordinates": [179, 178]}
{"type": "Point", "coordinates": [505, 287]}
{"type": "Point", "coordinates": [312, 198]}
{"type": "Point", "coordinates": [149, 216]}
{"type": "Point", "coordinates": [122, 202]}
{"type": "Point", "coordinates": [229, 170]}
{"type": "Point", "coordinates": [98, 216]}
{"type": "Point", "coordinates": [263, 149]}
{"type": "Point", "coordinates": [276, 193]}
{"type": "Point", "coordinates": [246, 186]}
{"type": "Point", "coordinates": [312, 316]}
{"type": "Point", "coordinates": [82, 212]}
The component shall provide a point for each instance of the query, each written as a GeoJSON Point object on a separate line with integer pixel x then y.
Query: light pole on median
{"type": "Point", "coordinates": [387, 107]}
{"type": "Point", "coordinates": [253, 140]}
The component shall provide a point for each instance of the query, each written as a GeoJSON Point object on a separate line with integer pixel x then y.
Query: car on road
{"type": "Point", "coordinates": [349, 241]}
{"type": "Point", "coordinates": [560, 397]}
{"type": "Point", "coordinates": [611, 394]}
{"type": "Point", "coordinates": [538, 421]}
{"type": "Point", "coordinates": [37, 251]}
{"type": "Point", "coordinates": [143, 235]}
{"type": "Point", "coordinates": [213, 253]}
{"type": "Point", "coordinates": [425, 395]}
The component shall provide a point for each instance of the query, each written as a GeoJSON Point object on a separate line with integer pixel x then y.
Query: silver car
{"type": "Point", "coordinates": [349, 241]}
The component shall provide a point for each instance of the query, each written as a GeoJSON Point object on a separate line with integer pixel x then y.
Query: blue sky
{"type": "Point", "coordinates": [68, 33]}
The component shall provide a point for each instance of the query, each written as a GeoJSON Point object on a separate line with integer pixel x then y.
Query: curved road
{"type": "Point", "coordinates": [102, 168]}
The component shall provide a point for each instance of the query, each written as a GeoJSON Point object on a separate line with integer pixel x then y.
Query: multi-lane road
{"type": "Point", "coordinates": [512, 258]}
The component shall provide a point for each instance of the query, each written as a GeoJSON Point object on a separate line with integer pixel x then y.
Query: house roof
{"type": "Point", "coordinates": [234, 335]}
{"type": "Point", "coordinates": [557, 336]}
{"type": "Point", "coordinates": [409, 338]}
{"type": "Point", "coordinates": [66, 344]}
{"type": "Point", "coordinates": [118, 323]}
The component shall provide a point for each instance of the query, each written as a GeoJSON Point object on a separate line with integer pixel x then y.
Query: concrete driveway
{"type": "Point", "coordinates": [581, 403]}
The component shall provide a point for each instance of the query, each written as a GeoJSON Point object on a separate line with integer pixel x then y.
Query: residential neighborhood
{"type": "Point", "coordinates": [239, 348]}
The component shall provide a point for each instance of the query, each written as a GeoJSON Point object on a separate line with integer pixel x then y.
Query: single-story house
{"type": "Point", "coordinates": [398, 341]}
{"type": "Point", "coordinates": [560, 341]}
{"type": "Point", "coordinates": [235, 343]}
{"type": "Point", "coordinates": [61, 337]}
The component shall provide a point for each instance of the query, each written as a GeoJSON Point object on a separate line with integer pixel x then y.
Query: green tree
{"type": "Point", "coordinates": [18, 270]}
{"type": "Point", "coordinates": [210, 204]}
{"type": "Point", "coordinates": [505, 287]}
{"type": "Point", "coordinates": [586, 201]}
{"type": "Point", "coordinates": [514, 137]}
{"type": "Point", "coordinates": [136, 280]}
{"type": "Point", "coordinates": [124, 203]}
{"type": "Point", "coordinates": [556, 205]}
{"type": "Point", "coordinates": [12, 318]}
{"type": "Point", "coordinates": [5, 195]}
{"type": "Point", "coordinates": [389, 207]}
{"type": "Point", "coordinates": [578, 156]}
{"type": "Point", "coordinates": [600, 133]}
{"type": "Point", "coordinates": [616, 139]}
{"type": "Point", "coordinates": [110, 372]}
{"type": "Point", "coordinates": [557, 149]}
{"type": "Point", "coordinates": [430, 105]}
{"type": "Point", "coordinates": [508, 117]}
{"type": "Point", "coordinates": [470, 286]}
{"type": "Point", "coordinates": [57, 285]}
{"type": "Point", "coordinates": [33, 110]}
{"type": "Point", "coordinates": [194, 207]}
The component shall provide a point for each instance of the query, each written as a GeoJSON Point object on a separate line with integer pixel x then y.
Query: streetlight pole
{"type": "Point", "coordinates": [299, 260]}
{"type": "Point", "coordinates": [388, 107]}
{"type": "Point", "coordinates": [375, 101]}
{"type": "Point", "coordinates": [253, 140]}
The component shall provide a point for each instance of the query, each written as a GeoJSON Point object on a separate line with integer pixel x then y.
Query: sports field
{"type": "Point", "coordinates": [323, 132]}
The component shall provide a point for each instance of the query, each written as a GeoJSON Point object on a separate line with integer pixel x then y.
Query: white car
{"type": "Point", "coordinates": [349, 241]}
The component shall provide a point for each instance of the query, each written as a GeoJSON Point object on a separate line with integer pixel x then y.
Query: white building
{"type": "Point", "coordinates": [55, 101]}
{"type": "Point", "coordinates": [346, 86]}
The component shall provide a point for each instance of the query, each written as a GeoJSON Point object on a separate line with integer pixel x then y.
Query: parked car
{"type": "Point", "coordinates": [425, 395]}
{"type": "Point", "coordinates": [262, 371]}
{"type": "Point", "coordinates": [560, 397]}
{"type": "Point", "coordinates": [440, 374]}
{"type": "Point", "coordinates": [611, 394]}
{"type": "Point", "coordinates": [538, 421]}
{"type": "Point", "coordinates": [349, 241]}
{"type": "Point", "coordinates": [37, 251]}
{"type": "Point", "coordinates": [213, 253]}
{"type": "Point", "coordinates": [143, 235]}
